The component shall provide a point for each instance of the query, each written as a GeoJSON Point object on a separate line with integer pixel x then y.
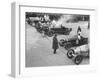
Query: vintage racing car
{"type": "Point", "coordinates": [63, 31]}
{"type": "Point", "coordinates": [51, 31]}
{"type": "Point", "coordinates": [72, 42]}
{"type": "Point", "coordinates": [78, 53]}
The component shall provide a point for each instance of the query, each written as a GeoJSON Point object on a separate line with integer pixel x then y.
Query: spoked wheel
{"type": "Point", "coordinates": [50, 33]}
{"type": "Point", "coordinates": [78, 59]}
{"type": "Point", "coordinates": [70, 53]}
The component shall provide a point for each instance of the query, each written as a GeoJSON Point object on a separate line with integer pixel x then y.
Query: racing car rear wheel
{"type": "Point", "coordinates": [78, 59]}
{"type": "Point", "coordinates": [70, 53]}
{"type": "Point", "coordinates": [50, 33]}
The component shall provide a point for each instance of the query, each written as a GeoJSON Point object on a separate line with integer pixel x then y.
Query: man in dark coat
{"type": "Point", "coordinates": [55, 43]}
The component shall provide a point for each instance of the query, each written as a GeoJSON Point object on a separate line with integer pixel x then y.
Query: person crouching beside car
{"type": "Point", "coordinates": [55, 43]}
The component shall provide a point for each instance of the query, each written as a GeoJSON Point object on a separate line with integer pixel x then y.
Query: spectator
{"type": "Point", "coordinates": [55, 43]}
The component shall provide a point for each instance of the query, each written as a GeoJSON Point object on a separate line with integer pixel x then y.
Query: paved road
{"type": "Point", "coordinates": [39, 51]}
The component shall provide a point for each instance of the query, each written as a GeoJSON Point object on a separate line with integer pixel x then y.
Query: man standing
{"type": "Point", "coordinates": [55, 43]}
{"type": "Point", "coordinates": [78, 35]}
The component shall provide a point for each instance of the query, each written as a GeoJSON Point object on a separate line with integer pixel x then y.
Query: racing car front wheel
{"type": "Point", "coordinates": [78, 59]}
{"type": "Point", "coordinates": [70, 53]}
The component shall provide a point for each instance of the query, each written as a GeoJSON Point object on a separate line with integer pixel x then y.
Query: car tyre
{"type": "Point", "coordinates": [70, 53]}
{"type": "Point", "coordinates": [50, 33]}
{"type": "Point", "coordinates": [61, 42]}
{"type": "Point", "coordinates": [78, 59]}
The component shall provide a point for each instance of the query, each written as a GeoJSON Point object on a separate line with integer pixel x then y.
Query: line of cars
{"type": "Point", "coordinates": [45, 27]}
{"type": "Point", "coordinates": [76, 51]}
{"type": "Point", "coordinates": [51, 31]}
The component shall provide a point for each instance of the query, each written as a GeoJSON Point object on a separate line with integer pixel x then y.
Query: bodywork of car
{"type": "Point", "coordinates": [72, 42]}
{"type": "Point", "coordinates": [78, 53]}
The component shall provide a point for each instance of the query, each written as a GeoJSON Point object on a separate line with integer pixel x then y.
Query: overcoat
{"type": "Point", "coordinates": [55, 43]}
